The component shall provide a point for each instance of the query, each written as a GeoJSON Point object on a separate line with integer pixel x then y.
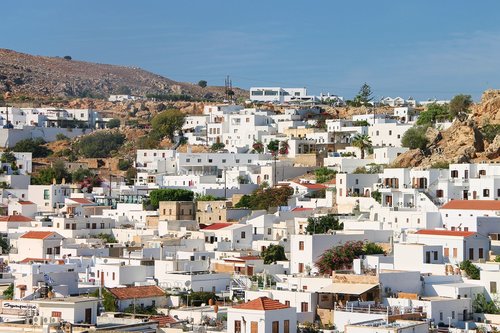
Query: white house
{"type": "Point", "coordinates": [261, 315]}
{"type": "Point", "coordinates": [140, 297]}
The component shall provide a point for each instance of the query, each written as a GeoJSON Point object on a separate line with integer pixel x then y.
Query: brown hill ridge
{"type": "Point", "coordinates": [40, 76]}
{"type": "Point", "coordinates": [463, 142]}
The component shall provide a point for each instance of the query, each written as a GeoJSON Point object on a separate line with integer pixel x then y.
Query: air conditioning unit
{"type": "Point", "coordinates": [46, 320]}
{"type": "Point", "coordinates": [37, 320]}
{"type": "Point", "coordinates": [55, 320]}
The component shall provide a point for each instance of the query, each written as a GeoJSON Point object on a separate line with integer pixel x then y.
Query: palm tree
{"type": "Point", "coordinates": [362, 141]}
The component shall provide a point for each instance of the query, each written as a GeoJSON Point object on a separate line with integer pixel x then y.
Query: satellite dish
{"type": "Point", "coordinates": [105, 261]}
{"type": "Point", "coordinates": [187, 283]}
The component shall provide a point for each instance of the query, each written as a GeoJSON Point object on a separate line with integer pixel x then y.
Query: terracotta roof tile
{"type": "Point", "coordinates": [15, 218]}
{"type": "Point", "coordinates": [164, 320]}
{"type": "Point", "coordinates": [82, 201]}
{"type": "Point", "coordinates": [42, 261]}
{"type": "Point", "coordinates": [472, 204]}
{"type": "Point", "coordinates": [217, 226]}
{"type": "Point", "coordinates": [301, 209]}
{"type": "Point", "coordinates": [262, 303]}
{"type": "Point", "coordinates": [455, 233]}
{"type": "Point", "coordinates": [21, 202]}
{"type": "Point", "coordinates": [38, 234]}
{"type": "Point", "coordinates": [137, 292]}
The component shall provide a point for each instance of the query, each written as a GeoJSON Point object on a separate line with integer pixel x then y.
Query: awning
{"type": "Point", "coordinates": [348, 288]}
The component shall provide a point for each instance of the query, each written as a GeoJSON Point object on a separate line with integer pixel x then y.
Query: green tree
{"type": "Point", "coordinates": [8, 157]}
{"type": "Point", "coordinates": [363, 142]}
{"type": "Point", "coordinates": [107, 238]}
{"type": "Point", "coordinates": [203, 83]}
{"type": "Point", "coordinates": [217, 146]}
{"type": "Point", "coordinates": [9, 292]}
{"type": "Point", "coordinates": [61, 137]}
{"type": "Point", "coordinates": [364, 95]}
{"type": "Point", "coordinates": [273, 147]}
{"type": "Point", "coordinates": [198, 297]}
{"type": "Point", "coordinates": [322, 224]}
{"type": "Point", "coordinates": [100, 144]}
{"type": "Point", "coordinates": [273, 253]}
{"type": "Point", "coordinates": [34, 146]}
{"type": "Point", "coordinates": [470, 269]}
{"type": "Point", "coordinates": [377, 196]}
{"type": "Point", "coordinates": [4, 245]}
{"type": "Point", "coordinates": [372, 248]}
{"type": "Point", "coordinates": [323, 174]}
{"type": "Point", "coordinates": [80, 174]}
{"type": "Point", "coordinates": [169, 194]}
{"type": "Point", "coordinates": [57, 171]}
{"type": "Point", "coordinates": [123, 165]}
{"type": "Point", "coordinates": [414, 138]}
{"type": "Point", "coordinates": [113, 123]}
{"type": "Point", "coordinates": [490, 131]}
{"type": "Point", "coordinates": [460, 106]}
{"type": "Point", "coordinates": [167, 123]}
{"type": "Point", "coordinates": [108, 300]}
{"type": "Point", "coordinates": [67, 57]}
{"type": "Point", "coordinates": [433, 114]}
{"type": "Point", "coordinates": [264, 198]}
{"type": "Point", "coordinates": [481, 305]}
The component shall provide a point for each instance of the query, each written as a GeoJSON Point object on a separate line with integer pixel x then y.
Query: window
{"type": "Point", "coordinates": [440, 316]}
{"type": "Point", "coordinates": [455, 251]}
{"type": "Point", "coordinates": [287, 303]}
{"type": "Point", "coordinates": [46, 194]}
{"type": "Point", "coordinates": [301, 267]}
{"type": "Point", "coordinates": [56, 314]}
{"type": "Point", "coordinates": [446, 252]}
{"type": "Point", "coordinates": [454, 173]}
{"type": "Point", "coordinates": [49, 250]}
{"type": "Point", "coordinates": [276, 327]}
{"type": "Point", "coordinates": [452, 314]}
{"type": "Point", "coordinates": [471, 254]}
{"type": "Point", "coordinates": [269, 231]}
{"type": "Point", "coordinates": [113, 276]}
{"type": "Point", "coordinates": [435, 255]}
{"type": "Point", "coordinates": [493, 287]}
{"type": "Point", "coordinates": [199, 160]}
{"type": "Point", "coordinates": [223, 161]}
{"type": "Point", "coordinates": [304, 307]}
{"type": "Point", "coordinates": [242, 234]}
{"type": "Point", "coordinates": [486, 193]}
{"type": "Point", "coordinates": [439, 193]}
{"type": "Point", "coordinates": [301, 246]}
{"type": "Point", "coordinates": [481, 254]}
{"type": "Point", "coordinates": [237, 326]}
{"type": "Point", "coordinates": [286, 326]}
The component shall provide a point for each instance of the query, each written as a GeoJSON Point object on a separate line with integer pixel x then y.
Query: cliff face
{"type": "Point", "coordinates": [464, 141]}
{"type": "Point", "coordinates": [38, 76]}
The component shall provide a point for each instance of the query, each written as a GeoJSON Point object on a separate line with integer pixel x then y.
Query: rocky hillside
{"type": "Point", "coordinates": [38, 76]}
{"type": "Point", "coordinates": [464, 141]}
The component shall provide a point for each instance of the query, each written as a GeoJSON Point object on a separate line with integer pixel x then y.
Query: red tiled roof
{"type": "Point", "coordinates": [21, 202]}
{"type": "Point", "coordinates": [137, 292]}
{"type": "Point", "coordinates": [15, 218]}
{"type": "Point", "coordinates": [164, 320]}
{"type": "Point", "coordinates": [37, 234]}
{"type": "Point", "coordinates": [43, 261]}
{"type": "Point", "coordinates": [217, 226]}
{"type": "Point", "coordinates": [455, 233]}
{"type": "Point", "coordinates": [300, 209]}
{"type": "Point", "coordinates": [262, 303]}
{"type": "Point", "coordinates": [472, 204]}
{"type": "Point", "coordinates": [82, 201]}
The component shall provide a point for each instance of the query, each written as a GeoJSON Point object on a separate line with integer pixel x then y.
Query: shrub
{"type": "Point", "coordinates": [273, 253]}
{"type": "Point", "coordinates": [99, 145]}
{"type": "Point", "coordinates": [113, 123]}
{"type": "Point", "coordinates": [217, 146]}
{"type": "Point", "coordinates": [415, 138]}
{"type": "Point", "coordinates": [470, 269]}
{"type": "Point", "coordinates": [321, 224]}
{"type": "Point", "coordinates": [169, 194]}
{"type": "Point", "coordinates": [342, 256]}
{"type": "Point", "coordinates": [124, 164]}
{"type": "Point", "coordinates": [61, 136]}
{"type": "Point", "coordinates": [324, 174]}
{"type": "Point", "coordinates": [34, 146]}
{"type": "Point", "coordinates": [264, 198]}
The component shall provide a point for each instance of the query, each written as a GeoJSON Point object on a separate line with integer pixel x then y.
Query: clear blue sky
{"type": "Point", "coordinates": [423, 48]}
